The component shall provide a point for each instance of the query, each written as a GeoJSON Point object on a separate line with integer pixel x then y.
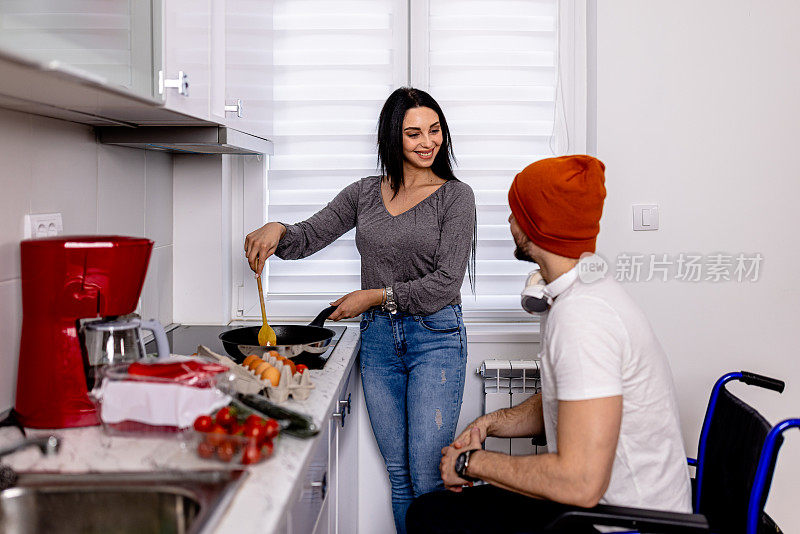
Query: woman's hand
{"type": "Point", "coordinates": [261, 244]}
{"type": "Point", "coordinates": [356, 303]}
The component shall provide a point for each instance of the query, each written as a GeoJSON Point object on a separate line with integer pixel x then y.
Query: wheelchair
{"type": "Point", "coordinates": [736, 457]}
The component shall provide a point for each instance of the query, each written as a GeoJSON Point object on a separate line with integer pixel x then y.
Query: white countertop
{"type": "Point", "coordinates": [264, 496]}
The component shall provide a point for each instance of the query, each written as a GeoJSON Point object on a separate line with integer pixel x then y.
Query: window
{"type": "Point", "coordinates": [493, 67]}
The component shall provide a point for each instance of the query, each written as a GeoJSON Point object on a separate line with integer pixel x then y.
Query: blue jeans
{"type": "Point", "coordinates": [412, 369]}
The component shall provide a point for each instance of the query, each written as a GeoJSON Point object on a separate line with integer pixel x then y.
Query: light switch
{"type": "Point", "coordinates": [645, 217]}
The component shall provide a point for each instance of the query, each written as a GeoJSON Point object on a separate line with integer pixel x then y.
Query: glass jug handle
{"type": "Point", "coordinates": [162, 345]}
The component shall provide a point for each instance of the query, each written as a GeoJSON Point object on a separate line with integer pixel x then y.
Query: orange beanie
{"type": "Point", "coordinates": [558, 202]}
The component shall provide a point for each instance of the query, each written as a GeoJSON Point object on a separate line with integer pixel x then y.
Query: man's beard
{"type": "Point", "coordinates": [522, 255]}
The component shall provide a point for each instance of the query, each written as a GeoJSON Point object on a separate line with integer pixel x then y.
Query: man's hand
{"type": "Point", "coordinates": [261, 244]}
{"type": "Point", "coordinates": [447, 468]}
{"type": "Point", "coordinates": [356, 303]}
{"type": "Point", "coordinates": [465, 437]}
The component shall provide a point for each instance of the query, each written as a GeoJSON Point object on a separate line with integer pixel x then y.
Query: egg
{"type": "Point", "coordinates": [254, 362]}
{"type": "Point", "coordinates": [275, 353]}
{"type": "Point", "coordinates": [249, 359]}
{"type": "Point", "coordinates": [258, 369]}
{"type": "Point", "coordinates": [272, 374]}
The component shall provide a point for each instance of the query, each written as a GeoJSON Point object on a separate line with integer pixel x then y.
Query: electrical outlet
{"type": "Point", "coordinates": [43, 225]}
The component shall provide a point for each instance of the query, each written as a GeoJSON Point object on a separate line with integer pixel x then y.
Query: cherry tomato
{"type": "Point", "coordinates": [272, 427]}
{"type": "Point", "coordinates": [256, 433]}
{"type": "Point", "coordinates": [301, 368]}
{"type": "Point", "coordinates": [217, 435]}
{"type": "Point", "coordinates": [251, 454]}
{"type": "Point", "coordinates": [253, 420]}
{"type": "Point", "coordinates": [235, 428]}
{"type": "Point", "coordinates": [225, 417]}
{"type": "Point", "coordinates": [205, 449]}
{"type": "Point", "coordinates": [204, 423]}
{"type": "Point", "coordinates": [268, 448]}
{"type": "Point", "coordinates": [225, 451]}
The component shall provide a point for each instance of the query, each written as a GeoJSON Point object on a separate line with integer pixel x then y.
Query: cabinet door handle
{"type": "Point", "coordinates": [346, 403]}
{"type": "Point", "coordinates": [340, 415]}
{"type": "Point", "coordinates": [321, 485]}
{"type": "Point", "coordinates": [236, 107]}
{"type": "Point", "coordinates": [181, 83]}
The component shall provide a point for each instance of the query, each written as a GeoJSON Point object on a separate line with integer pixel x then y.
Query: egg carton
{"type": "Point", "coordinates": [299, 385]}
{"type": "Point", "coordinates": [247, 382]}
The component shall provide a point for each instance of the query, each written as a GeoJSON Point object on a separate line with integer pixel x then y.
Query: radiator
{"type": "Point", "coordinates": [507, 383]}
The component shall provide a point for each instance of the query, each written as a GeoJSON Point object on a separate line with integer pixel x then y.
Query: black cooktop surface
{"type": "Point", "coordinates": [185, 338]}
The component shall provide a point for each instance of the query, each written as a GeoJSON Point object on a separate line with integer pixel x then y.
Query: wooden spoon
{"type": "Point", "coordinates": [266, 336]}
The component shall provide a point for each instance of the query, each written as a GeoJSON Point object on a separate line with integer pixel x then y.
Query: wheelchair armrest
{"type": "Point", "coordinates": [654, 521]}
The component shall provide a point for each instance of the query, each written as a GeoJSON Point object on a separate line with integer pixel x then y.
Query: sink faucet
{"type": "Point", "coordinates": [47, 444]}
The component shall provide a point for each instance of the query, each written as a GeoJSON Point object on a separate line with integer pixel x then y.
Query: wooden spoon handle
{"type": "Point", "coordinates": [261, 299]}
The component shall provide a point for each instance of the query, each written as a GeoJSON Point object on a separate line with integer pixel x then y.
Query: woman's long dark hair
{"type": "Point", "coordinates": [390, 148]}
{"type": "Point", "coordinates": [390, 136]}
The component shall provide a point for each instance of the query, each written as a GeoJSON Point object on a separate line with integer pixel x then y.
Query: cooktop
{"type": "Point", "coordinates": [184, 339]}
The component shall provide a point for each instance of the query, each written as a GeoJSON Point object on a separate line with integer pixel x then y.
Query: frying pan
{"type": "Point", "coordinates": [293, 340]}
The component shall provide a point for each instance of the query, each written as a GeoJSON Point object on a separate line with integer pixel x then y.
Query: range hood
{"type": "Point", "coordinates": [185, 139]}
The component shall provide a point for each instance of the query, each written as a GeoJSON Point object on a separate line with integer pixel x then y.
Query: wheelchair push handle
{"type": "Point", "coordinates": [763, 381]}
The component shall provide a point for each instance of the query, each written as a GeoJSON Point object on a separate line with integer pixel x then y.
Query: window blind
{"type": "Point", "coordinates": [492, 68]}
{"type": "Point", "coordinates": [334, 65]}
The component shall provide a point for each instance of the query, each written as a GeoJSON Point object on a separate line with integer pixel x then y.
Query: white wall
{"type": "Point", "coordinates": [697, 111]}
{"type": "Point", "coordinates": [47, 165]}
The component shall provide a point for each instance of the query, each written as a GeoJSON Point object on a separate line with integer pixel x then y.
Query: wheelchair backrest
{"type": "Point", "coordinates": [733, 444]}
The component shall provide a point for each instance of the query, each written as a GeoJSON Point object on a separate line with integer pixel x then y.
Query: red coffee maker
{"type": "Point", "coordinates": [64, 280]}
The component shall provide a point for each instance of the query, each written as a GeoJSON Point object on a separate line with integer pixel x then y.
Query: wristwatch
{"type": "Point", "coordinates": [389, 304]}
{"type": "Point", "coordinates": [462, 463]}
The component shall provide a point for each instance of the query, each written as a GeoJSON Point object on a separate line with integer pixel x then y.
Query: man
{"type": "Point", "coordinates": [607, 406]}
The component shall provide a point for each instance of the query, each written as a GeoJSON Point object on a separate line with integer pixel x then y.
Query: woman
{"type": "Point", "coordinates": [415, 228]}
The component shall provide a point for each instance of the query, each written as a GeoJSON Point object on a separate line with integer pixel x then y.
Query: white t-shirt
{"type": "Point", "coordinates": [597, 343]}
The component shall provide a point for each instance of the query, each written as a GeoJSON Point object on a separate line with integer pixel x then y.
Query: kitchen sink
{"type": "Point", "coordinates": [165, 502]}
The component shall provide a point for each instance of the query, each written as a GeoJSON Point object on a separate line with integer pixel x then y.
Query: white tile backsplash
{"type": "Point", "coordinates": [15, 170]}
{"type": "Point", "coordinates": [120, 191]}
{"type": "Point", "coordinates": [48, 165]}
{"type": "Point", "coordinates": [64, 173]}
{"type": "Point", "coordinates": [157, 291]}
{"type": "Point", "coordinates": [158, 197]}
{"type": "Point", "coordinates": [10, 325]}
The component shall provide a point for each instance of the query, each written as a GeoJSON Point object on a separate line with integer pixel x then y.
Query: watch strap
{"type": "Point", "coordinates": [461, 466]}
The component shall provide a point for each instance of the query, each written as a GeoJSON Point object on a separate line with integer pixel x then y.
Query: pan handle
{"type": "Point", "coordinates": [319, 320]}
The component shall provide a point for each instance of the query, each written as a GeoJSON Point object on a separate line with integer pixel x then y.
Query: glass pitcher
{"type": "Point", "coordinates": [119, 341]}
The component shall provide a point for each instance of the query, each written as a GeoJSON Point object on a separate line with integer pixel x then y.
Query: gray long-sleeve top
{"type": "Point", "coordinates": [422, 253]}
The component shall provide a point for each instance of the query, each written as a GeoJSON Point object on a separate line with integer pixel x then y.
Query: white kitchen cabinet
{"type": "Point", "coordinates": [218, 55]}
{"type": "Point", "coordinates": [186, 77]}
{"type": "Point", "coordinates": [248, 66]}
{"type": "Point", "coordinates": [328, 500]}
{"type": "Point", "coordinates": [345, 437]}
{"type": "Point", "coordinates": [307, 509]}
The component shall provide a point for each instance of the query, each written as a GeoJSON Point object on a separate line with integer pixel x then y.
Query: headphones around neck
{"type": "Point", "coordinates": [534, 297]}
